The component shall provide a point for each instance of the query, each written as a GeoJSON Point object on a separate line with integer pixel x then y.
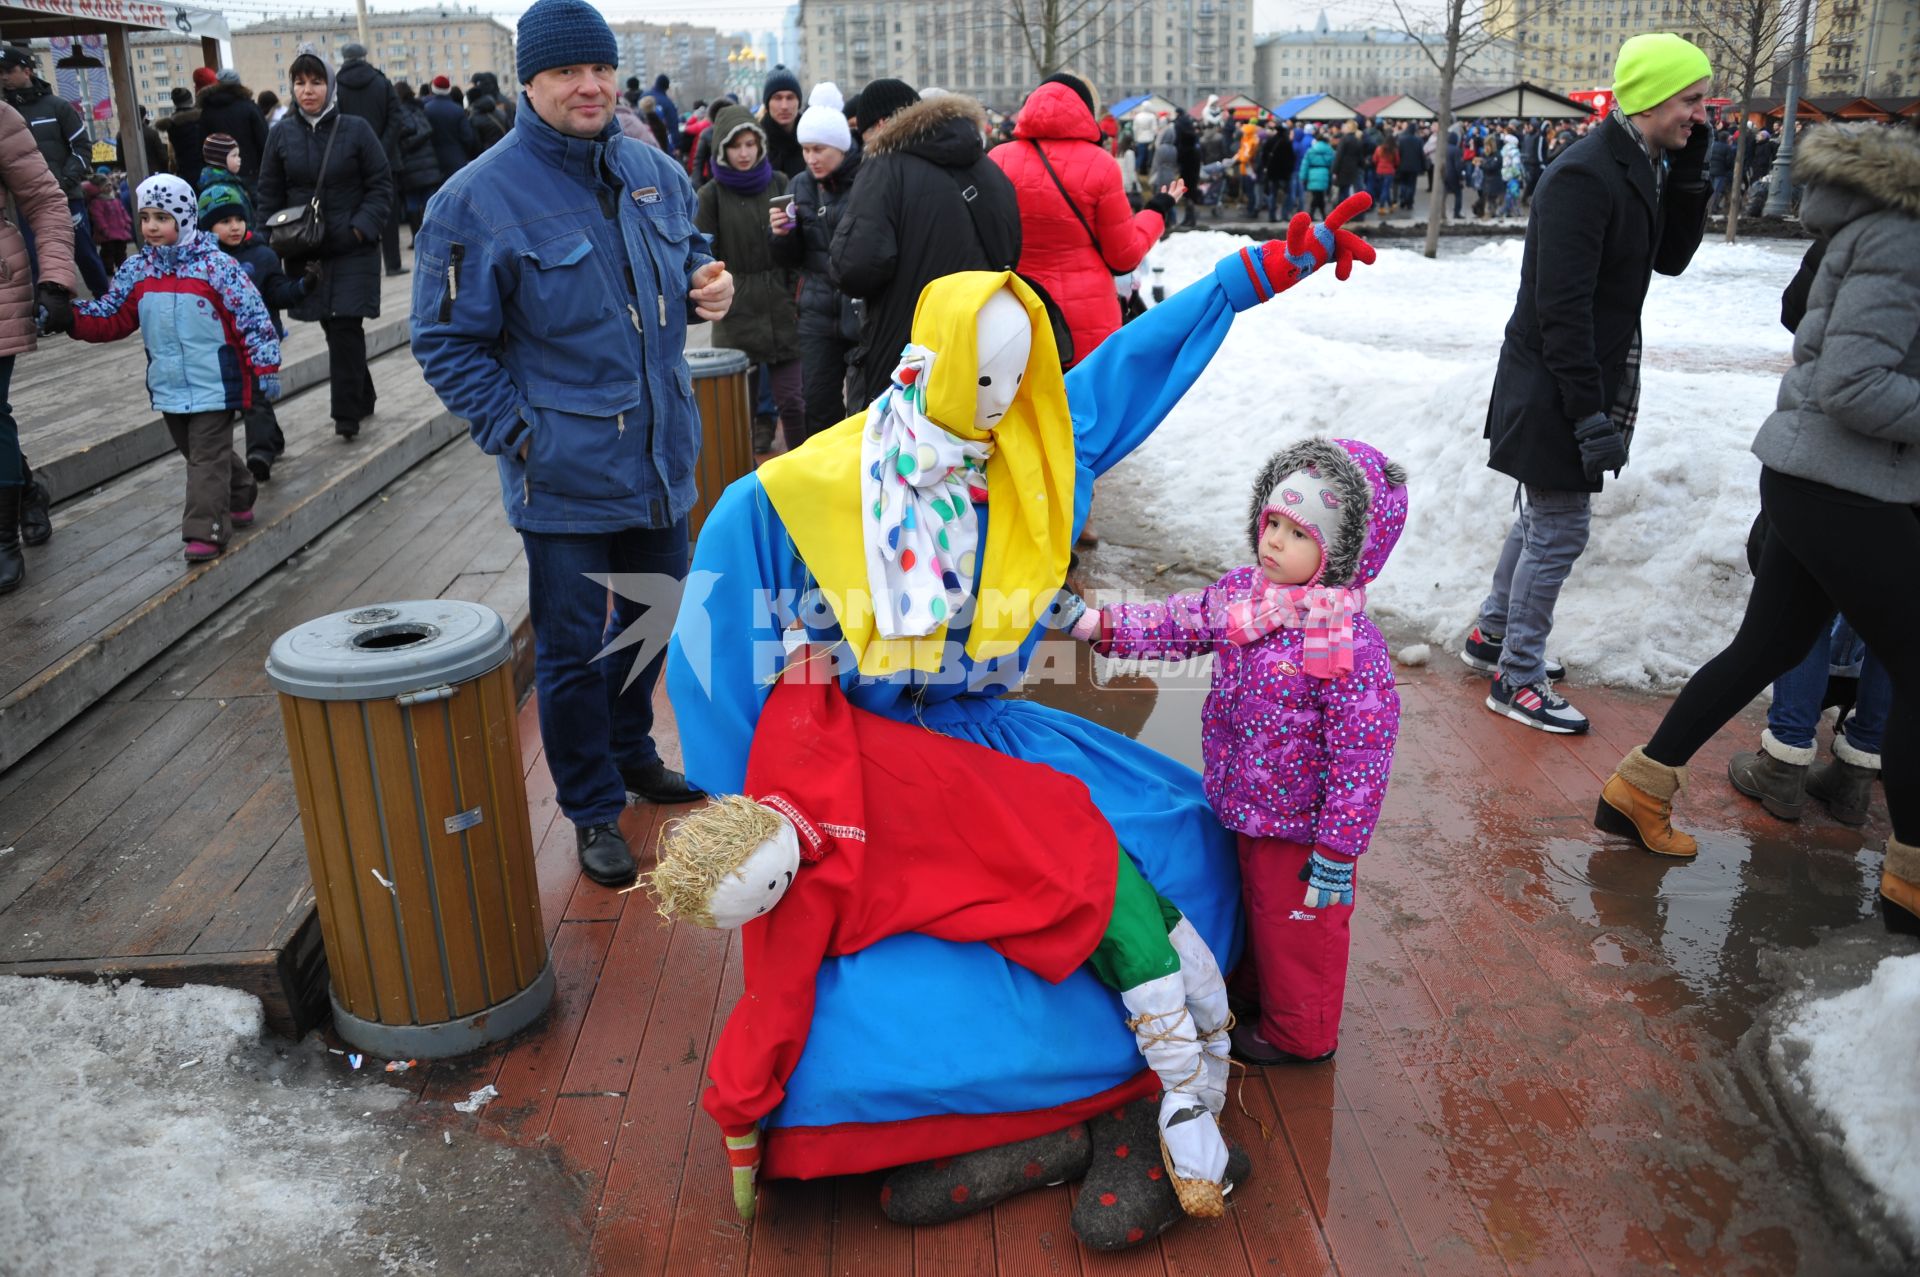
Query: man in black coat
{"type": "Point", "coordinates": [1186, 142]}
{"type": "Point", "coordinates": [62, 140]}
{"type": "Point", "coordinates": [227, 106]}
{"type": "Point", "coordinates": [359, 88]}
{"type": "Point", "coordinates": [1628, 199]}
{"type": "Point", "coordinates": [1274, 164]}
{"type": "Point", "coordinates": [453, 140]}
{"type": "Point", "coordinates": [1413, 162]}
{"type": "Point", "coordinates": [928, 203]}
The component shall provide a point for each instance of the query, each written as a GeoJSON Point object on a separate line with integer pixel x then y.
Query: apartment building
{"type": "Point", "coordinates": [694, 59]}
{"type": "Point", "coordinates": [1185, 49]}
{"type": "Point", "coordinates": [1866, 48]}
{"type": "Point", "coordinates": [413, 45]}
{"type": "Point", "coordinates": [1354, 65]}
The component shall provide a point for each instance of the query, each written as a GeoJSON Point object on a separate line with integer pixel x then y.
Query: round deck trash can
{"type": "Point", "coordinates": [401, 724]}
{"type": "Point", "coordinates": [723, 387]}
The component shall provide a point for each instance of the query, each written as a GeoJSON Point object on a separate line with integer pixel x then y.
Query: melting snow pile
{"type": "Point", "coordinates": [1860, 1047]}
{"type": "Point", "coordinates": [1402, 355]}
{"type": "Point", "coordinates": [138, 1141]}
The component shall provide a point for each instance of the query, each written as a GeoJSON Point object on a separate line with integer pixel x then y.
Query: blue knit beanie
{"type": "Point", "coordinates": [562, 33]}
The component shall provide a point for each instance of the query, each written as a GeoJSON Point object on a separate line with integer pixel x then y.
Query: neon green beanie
{"type": "Point", "coordinates": [1652, 68]}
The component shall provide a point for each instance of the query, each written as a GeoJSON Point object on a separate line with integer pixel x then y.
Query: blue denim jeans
{"type": "Point", "coordinates": [1547, 535]}
{"type": "Point", "coordinates": [1797, 694]}
{"type": "Point", "coordinates": [592, 722]}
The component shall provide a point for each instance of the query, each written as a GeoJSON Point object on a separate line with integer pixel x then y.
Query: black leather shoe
{"type": "Point", "coordinates": [604, 856]}
{"type": "Point", "coordinates": [1249, 1047]}
{"type": "Point", "coordinates": [659, 784]}
{"type": "Point", "coordinates": [345, 429]}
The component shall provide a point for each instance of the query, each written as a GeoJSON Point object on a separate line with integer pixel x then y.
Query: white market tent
{"type": "Point", "coordinates": [1149, 102]}
{"type": "Point", "coordinates": [1520, 101]}
{"type": "Point", "coordinates": [1314, 108]}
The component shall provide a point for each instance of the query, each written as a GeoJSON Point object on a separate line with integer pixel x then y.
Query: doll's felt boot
{"type": "Point", "coordinates": [1637, 803]}
{"type": "Point", "coordinates": [947, 1188]}
{"type": "Point", "coordinates": [1900, 888]}
{"type": "Point", "coordinates": [1190, 1142]}
{"type": "Point", "coordinates": [1127, 1197]}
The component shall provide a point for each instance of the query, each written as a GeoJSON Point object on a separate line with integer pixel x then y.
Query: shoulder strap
{"type": "Point", "coordinates": [1060, 186]}
{"type": "Point", "coordinates": [970, 195]}
{"type": "Point", "coordinates": [320, 177]}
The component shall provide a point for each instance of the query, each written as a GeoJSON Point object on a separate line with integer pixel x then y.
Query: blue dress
{"type": "Point", "coordinates": [914, 1027]}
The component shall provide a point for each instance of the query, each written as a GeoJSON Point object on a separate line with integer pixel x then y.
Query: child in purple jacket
{"type": "Point", "coordinates": [1298, 731]}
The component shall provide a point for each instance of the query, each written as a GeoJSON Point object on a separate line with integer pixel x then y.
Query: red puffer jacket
{"type": "Point", "coordinates": [1055, 248]}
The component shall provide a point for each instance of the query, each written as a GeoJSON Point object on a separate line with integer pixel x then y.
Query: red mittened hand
{"type": "Point", "coordinates": [1307, 248]}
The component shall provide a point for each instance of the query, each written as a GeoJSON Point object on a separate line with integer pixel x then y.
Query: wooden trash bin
{"type": "Point", "coordinates": [723, 387]}
{"type": "Point", "coordinates": [402, 726]}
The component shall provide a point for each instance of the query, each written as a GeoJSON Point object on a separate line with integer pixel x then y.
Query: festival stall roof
{"type": "Point", "coordinates": [24, 20]}
{"type": "Point", "coordinates": [1520, 101]}
{"type": "Point", "coordinates": [1141, 102]}
{"type": "Point", "coordinates": [1237, 105]}
{"type": "Point", "coordinates": [1394, 106]}
{"type": "Point", "coordinates": [1776, 109]}
{"type": "Point", "coordinates": [1846, 108]}
{"type": "Point", "coordinates": [1314, 108]}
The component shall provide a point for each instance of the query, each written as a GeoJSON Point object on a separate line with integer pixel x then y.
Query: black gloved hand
{"type": "Point", "coordinates": [57, 302]}
{"type": "Point", "coordinates": [1687, 167]}
{"type": "Point", "coordinates": [1602, 446]}
{"type": "Point", "coordinates": [310, 276]}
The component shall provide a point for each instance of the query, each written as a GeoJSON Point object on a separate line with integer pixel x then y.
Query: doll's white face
{"type": "Point", "coordinates": [756, 887]}
{"type": "Point", "coordinates": [1003, 341]}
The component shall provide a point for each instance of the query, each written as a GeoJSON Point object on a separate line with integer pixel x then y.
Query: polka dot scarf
{"type": "Point", "coordinates": [918, 485]}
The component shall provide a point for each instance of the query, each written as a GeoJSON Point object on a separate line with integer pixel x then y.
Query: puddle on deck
{"type": "Point", "coordinates": [1671, 975]}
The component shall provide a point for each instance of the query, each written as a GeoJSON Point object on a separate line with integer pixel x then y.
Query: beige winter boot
{"type": "Point", "coordinates": [1637, 803]}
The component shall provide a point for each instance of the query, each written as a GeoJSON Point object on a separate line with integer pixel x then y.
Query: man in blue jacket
{"type": "Point", "coordinates": [554, 279]}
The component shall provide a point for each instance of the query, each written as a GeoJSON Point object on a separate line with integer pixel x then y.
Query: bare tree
{"type": "Point", "coordinates": [1058, 33]}
{"type": "Point", "coordinates": [1452, 34]}
{"type": "Point", "coordinates": [1743, 38]}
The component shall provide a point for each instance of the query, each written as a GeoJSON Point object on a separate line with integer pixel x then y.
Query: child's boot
{"type": "Point", "coordinates": [36, 507]}
{"type": "Point", "coordinates": [1190, 1142]}
{"type": "Point", "coordinates": [13, 568]}
{"type": "Point", "coordinates": [1845, 784]}
{"type": "Point", "coordinates": [1637, 803]}
{"type": "Point", "coordinates": [1900, 887]}
{"type": "Point", "coordinates": [1776, 775]}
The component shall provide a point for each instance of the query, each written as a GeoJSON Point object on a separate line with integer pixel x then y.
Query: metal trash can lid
{"type": "Point", "coordinates": [367, 653]}
{"type": "Point", "coordinates": [717, 361]}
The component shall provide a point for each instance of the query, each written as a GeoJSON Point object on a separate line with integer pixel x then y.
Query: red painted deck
{"type": "Point", "coordinates": [1540, 1069]}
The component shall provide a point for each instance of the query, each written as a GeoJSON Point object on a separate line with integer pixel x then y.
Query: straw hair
{"type": "Point", "coordinates": [699, 850]}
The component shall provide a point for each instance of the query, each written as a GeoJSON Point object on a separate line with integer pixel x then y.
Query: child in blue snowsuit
{"type": "Point", "coordinates": [210, 349]}
{"type": "Point", "coordinates": [224, 215]}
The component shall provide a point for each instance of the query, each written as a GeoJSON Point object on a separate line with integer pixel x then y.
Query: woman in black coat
{"type": "Point", "coordinates": [829, 327]}
{"type": "Point", "coordinates": [356, 195]}
{"type": "Point", "coordinates": [908, 223]}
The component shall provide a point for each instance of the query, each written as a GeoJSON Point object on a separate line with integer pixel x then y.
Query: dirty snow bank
{"type": "Point", "coordinates": [1402, 356]}
{"type": "Point", "coordinates": [151, 1131]}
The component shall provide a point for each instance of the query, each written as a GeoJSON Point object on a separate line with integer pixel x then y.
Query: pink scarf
{"type": "Point", "coordinates": [1326, 614]}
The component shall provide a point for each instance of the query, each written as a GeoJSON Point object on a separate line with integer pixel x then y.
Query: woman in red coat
{"type": "Point", "coordinates": [1079, 232]}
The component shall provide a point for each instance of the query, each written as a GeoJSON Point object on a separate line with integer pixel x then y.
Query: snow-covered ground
{"type": "Point", "coordinates": [151, 1131]}
{"type": "Point", "coordinates": [1402, 355]}
{"type": "Point", "coordinates": [1853, 1056]}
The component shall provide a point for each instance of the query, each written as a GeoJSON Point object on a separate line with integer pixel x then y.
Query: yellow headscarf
{"type": "Point", "coordinates": [816, 488]}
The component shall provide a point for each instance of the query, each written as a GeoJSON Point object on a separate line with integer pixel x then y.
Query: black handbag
{"type": "Point", "coordinates": [299, 231]}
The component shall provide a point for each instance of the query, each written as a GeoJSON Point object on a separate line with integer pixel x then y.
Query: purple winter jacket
{"type": "Point", "coordinates": [1288, 755]}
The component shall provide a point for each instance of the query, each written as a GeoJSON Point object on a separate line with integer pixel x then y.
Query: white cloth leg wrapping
{"type": "Point", "coordinates": [1206, 994]}
{"type": "Point", "coordinates": [1164, 1029]}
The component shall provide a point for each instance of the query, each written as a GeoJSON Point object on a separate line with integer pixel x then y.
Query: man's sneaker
{"type": "Point", "coordinates": [1536, 705]}
{"type": "Point", "coordinates": [1482, 653]}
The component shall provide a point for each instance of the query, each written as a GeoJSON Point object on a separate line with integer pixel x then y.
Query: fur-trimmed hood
{"type": "Point", "coordinates": [1880, 163]}
{"type": "Point", "coordinates": [1370, 491]}
{"type": "Point", "coordinates": [948, 130]}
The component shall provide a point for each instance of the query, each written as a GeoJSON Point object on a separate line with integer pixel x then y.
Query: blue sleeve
{"type": "Point", "coordinates": [1122, 391]}
{"type": "Point", "coordinates": [249, 311]}
{"type": "Point", "coordinates": [726, 629]}
{"type": "Point", "coordinates": [459, 308]}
